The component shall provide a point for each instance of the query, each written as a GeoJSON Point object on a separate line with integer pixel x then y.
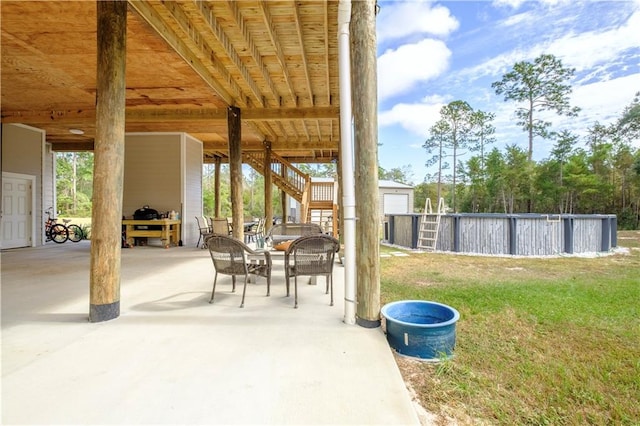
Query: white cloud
{"type": "Point", "coordinates": [603, 101]}
{"type": "Point", "coordinates": [401, 69]}
{"type": "Point", "coordinates": [416, 118]}
{"type": "Point", "coordinates": [515, 4]}
{"type": "Point", "coordinates": [582, 51]}
{"type": "Point", "coordinates": [585, 50]}
{"type": "Point", "coordinates": [402, 19]}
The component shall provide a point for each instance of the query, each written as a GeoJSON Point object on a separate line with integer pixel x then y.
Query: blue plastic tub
{"type": "Point", "coordinates": [421, 329]}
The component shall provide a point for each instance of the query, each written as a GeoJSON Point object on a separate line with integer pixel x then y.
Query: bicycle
{"type": "Point", "coordinates": [59, 233]}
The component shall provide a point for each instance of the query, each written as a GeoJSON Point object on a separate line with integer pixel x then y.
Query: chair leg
{"type": "Point", "coordinates": [330, 281]}
{"type": "Point", "coordinates": [244, 291]}
{"type": "Point", "coordinates": [199, 238]}
{"type": "Point", "coordinates": [295, 290]}
{"type": "Point", "coordinates": [268, 285]}
{"type": "Point", "coordinates": [233, 282]}
{"type": "Point", "coordinates": [214, 287]}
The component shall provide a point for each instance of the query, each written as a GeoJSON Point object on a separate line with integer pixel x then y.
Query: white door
{"type": "Point", "coordinates": [16, 212]}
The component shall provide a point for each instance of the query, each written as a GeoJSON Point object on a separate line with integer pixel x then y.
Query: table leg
{"type": "Point", "coordinates": [127, 232]}
{"type": "Point", "coordinates": [165, 236]}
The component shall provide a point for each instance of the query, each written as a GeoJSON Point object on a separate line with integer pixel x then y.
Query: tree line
{"type": "Point", "coordinates": [599, 174]}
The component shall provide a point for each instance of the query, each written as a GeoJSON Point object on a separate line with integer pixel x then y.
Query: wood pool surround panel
{"type": "Point", "coordinates": [526, 234]}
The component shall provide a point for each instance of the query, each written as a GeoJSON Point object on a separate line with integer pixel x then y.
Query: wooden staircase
{"type": "Point", "coordinates": [322, 208]}
{"type": "Point", "coordinates": [283, 174]}
{"type": "Point", "coordinates": [429, 226]}
{"type": "Point", "coordinates": [317, 199]}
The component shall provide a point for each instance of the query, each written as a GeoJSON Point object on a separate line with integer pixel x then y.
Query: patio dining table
{"type": "Point", "coordinates": [275, 255]}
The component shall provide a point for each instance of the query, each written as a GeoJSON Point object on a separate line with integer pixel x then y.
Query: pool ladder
{"type": "Point", "coordinates": [429, 226]}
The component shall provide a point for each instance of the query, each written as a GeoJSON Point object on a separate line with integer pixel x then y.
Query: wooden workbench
{"type": "Point", "coordinates": [169, 232]}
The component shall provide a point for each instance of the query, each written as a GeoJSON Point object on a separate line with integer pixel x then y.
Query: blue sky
{"type": "Point", "coordinates": [431, 53]}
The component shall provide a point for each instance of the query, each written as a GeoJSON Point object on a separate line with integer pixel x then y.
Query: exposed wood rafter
{"type": "Point", "coordinates": [271, 31]}
{"type": "Point", "coordinates": [203, 11]}
{"type": "Point", "coordinates": [252, 50]}
{"type": "Point", "coordinates": [303, 53]}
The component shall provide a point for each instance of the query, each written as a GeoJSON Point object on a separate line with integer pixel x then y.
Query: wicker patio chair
{"type": "Point", "coordinates": [229, 257]}
{"type": "Point", "coordinates": [220, 225]}
{"type": "Point", "coordinates": [257, 231]}
{"type": "Point", "coordinates": [290, 231]}
{"type": "Point", "coordinates": [310, 256]}
{"type": "Point", "coordinates": [204, 229]}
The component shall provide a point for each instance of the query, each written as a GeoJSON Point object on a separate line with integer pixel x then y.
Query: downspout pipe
{"type": "Point", "coordinates": [346, 148]}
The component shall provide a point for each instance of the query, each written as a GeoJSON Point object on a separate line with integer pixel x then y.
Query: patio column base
{"type": "Point", "coordinates": [367, 323]}
{"type": "Point", "coordinates": [99, 313]}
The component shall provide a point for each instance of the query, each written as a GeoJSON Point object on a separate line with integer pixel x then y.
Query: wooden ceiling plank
{"type": "Point", "coordinates": [306, 129]}
{"type": "Point", "coordinates": [296, 13]}
{"type": "Point", "coordinates": [151, 16]}
{"type": "Point", "coordinates": [252, 49]}
{"type": "Point", "coordinates": [193, 31]}
{"type": "Point", "coordinates": [326, 52]}
{"type": "Point", "coordinates": [271, 31]}
{"type": "Point", "coordinates": [216, 30]}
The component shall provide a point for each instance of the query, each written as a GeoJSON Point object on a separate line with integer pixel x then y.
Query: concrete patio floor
{"type": "Point", "coordinates": [173, 358]}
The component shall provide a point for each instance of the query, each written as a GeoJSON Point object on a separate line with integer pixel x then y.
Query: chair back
{"type": "Point", "coordinates": [260, 227]}
{"type": "Point", "coordinates": [313, 254]}
{"type": "Point", "coordinates": [291, 231]}
{"type": "Point", "coordinates": [227, 254]}
{"type": "Point", "coordinates": [203, 226]}
{"type": "Point", "coordinates": [220, 226]}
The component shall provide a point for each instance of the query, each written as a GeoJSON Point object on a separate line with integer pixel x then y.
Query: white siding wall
{"type": "Point", "coordinates": [152, 174]}
{"type": "Point", "coordinates": [23, 153]}
{"type": "Point", "coordinates": [192, 202]}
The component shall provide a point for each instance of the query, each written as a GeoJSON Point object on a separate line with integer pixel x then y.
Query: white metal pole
{"type": "Point", "coordinates": [346, 148]}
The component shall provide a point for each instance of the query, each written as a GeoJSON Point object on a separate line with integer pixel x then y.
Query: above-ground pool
{"type": "Point", "coordinates": [421, 329]}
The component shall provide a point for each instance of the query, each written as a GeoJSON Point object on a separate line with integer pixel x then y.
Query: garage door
{"type": "Point", "coordinates": [396, 203]}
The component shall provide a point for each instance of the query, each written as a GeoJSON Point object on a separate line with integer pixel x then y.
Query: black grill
{"type": "Point", "coordinates": [146, 213]}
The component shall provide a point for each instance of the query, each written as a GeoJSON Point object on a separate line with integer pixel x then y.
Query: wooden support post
{"type": "Point", "coordinates": [365, 113]}
{"type": "Point", "coordinates": [268, 188]}
{"type": "Point", "coordinates": [108, 169]}
{"type": "Point", "coordinates": [283, 198]}
{"type": "Point", "coordinates": [235, 170]}
{"type": "Point", "coordinates": [340, 218]}
{"type": "Point", "coordinates": [217, 205]}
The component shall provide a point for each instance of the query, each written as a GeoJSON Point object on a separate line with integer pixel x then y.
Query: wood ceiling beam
{"type": "Point", "coordinates": [326, 52]}
{"type": "Point", "coordinates": [219, 148]}
{"type": "Point", "coordinates": [173, 115]}
{"type": "Point", "coordinates": [201, 49]}
{"type": "Point", "coordinates": [72, 146]}
{"type": "Point", "coordinates": [296, 14]}
{"type": "Point", "coordinates": [271, 31]}
{"type": "Point", "coordinates": [281, 144]}
{"type": "Point", "coordinates": [205, 12]}
{"type": "Point", "coordinates": [252, 50]}
{"type": "Point", "coordinates": [49, 116]}
{"type": "Point", "coordinates": [152, 17]}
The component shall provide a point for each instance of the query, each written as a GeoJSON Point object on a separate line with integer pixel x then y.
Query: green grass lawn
{"type": "Point", "coordinates": [540, 341]}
